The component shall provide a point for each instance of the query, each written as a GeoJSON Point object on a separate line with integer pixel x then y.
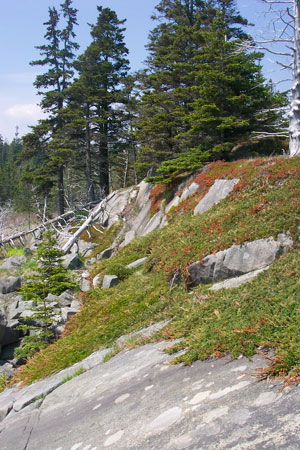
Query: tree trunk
{"type": "Point", "coordinates": [103, 160]}
{"type": "Point", "coordinates": [61, 190]}
{"type": "Point", "coordinates": [88, 160]}
{"type": "Point", "coordinates": [294, 115]}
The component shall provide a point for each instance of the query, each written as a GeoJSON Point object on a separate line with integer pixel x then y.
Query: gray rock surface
{"type": "Point", "coordinates": [3, 322]}
{"type": "Point", "coordinates": [116, 205]}
{"type": "Point", "coordinates": [84, 285]}
{"type": "Point", "coordinates": [97, 280]}
{"type": "Point", "coordinates": [105, 254]}
{"type": "Point", "coordinates": [13, 262]}
{"type": "Point", "coordinates": [72, 261]}
{"type": "Point", "coordinates": [237, 281]}
{"type": "Point", "coordinates": [143, 195]}
{"type": "Point", "coordinates": [142, 219]}
{"type": "Point", "coordinates": [11, 334]}
{"type": "Point", "coordinates": [173, 203]}
{"type": "Point", "coordinates": [129, 236]}
{"type": "Point", "coordinates": [235, 261]}
{"type": "Point", "coordinates": [189, 191]}
{"type": "Point", "coordinates": [109, 281]}
{"type": "Point", "coordinates": [219, 190]}
{"type": "Point", "coordinates": [137, 263]}
{"type": "Point", "coordinates": [67, 313]}
{"type": "Point", "coordinates": [85, 248]}
{"type": "Point", "coordinates": [10, 284]}
{"type": "Point", "coordinates": [66, 298]}
{"type": "Point", "coordinates": [138, 401]}
{"type": "Point", "coordinates": [152, 224]}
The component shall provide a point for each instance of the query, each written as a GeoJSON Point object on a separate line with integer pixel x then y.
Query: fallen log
{"type": "Point", "coordinates": [92, 217]}
{"type": "Point", "coordinates": [19, 236]}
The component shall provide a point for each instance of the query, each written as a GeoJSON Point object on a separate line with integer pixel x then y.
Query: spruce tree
{"type": "Point", "coordinates": [94, 95]}
{"type": "Point", "coordinates": [57, 54]}
{"type": "Point", "coordinates": [231, 97]}
{"type": "Point", "coordinates": [202, 93]}
{"type": "Point", "coordinates": [167, 84]}
{"type": "Point", "coordinates": [51, 278]}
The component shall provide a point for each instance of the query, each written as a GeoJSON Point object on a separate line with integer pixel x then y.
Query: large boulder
{"type": "Point", "coordinates": [13, 262]}
{"type": "Point", "coordinates": [109, 281]}
{"type": "Point", "coordinates": [105, 254]}
{"type": "Point", "coordinates": [10, 284]}
{"type": "Point", "coordinates": [2, 326]}
{"type": "Point", "coordinates": [84, 248]}
{"type": "Point", "coordinates": [11, 334]}
{"type": "Point", "coordinates": [72, 261]}
{"type": "Point", "coordinates": [235, 261]}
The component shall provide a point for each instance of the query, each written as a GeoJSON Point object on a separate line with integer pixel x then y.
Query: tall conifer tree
{"type": "Point", "coordinates": [201, 90]}
{"type": "Point", "coordinates": [57, 54]}
{"type": "Point", "coordinates": [94, 96]}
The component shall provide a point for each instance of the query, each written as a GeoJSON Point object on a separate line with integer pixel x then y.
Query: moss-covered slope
{"type": "Point", "coordinates": [264, 313]}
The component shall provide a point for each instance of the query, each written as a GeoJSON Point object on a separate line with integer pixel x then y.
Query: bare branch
{"type": "Point", "coordinates": [273, 52]}
{"type": "Point", "coordinates": [285, 66]}
{"type": "Point", "coordinates": [271, 41]}
{"type": "Point", "coordinates": [264, 134]}
{"type": "Point", "coordinates": [272, 2]}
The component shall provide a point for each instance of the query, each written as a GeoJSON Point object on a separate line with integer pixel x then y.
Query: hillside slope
{"type": "Point", "coordinates": [256, 316]}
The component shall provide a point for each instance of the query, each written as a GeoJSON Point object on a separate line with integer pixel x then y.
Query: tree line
{"type": "Point", "coordinates": [201, 96]}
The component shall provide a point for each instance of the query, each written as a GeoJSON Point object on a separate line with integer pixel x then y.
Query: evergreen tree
{"type": "Point", "coordinates": [202, 93]}
{"type": "Point", "coordinates": [168, 82]}
{"type": "Point", "coordinates": [57, 55]}
{"type": "Point", "coordinates": [52, 278]}
{"type": "Point", "coordinates": [231, 97]}
{"type": "Point", "coordinates": [95, 94]}
{"type": "Point", "coordinates": [10, 171]}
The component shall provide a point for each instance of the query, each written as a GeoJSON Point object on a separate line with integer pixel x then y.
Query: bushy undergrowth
{"type": "Point", "coordinates": [263, 313]}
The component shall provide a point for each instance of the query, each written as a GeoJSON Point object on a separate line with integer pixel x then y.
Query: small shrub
{"type": "Point", "coordinates": [51, 278]}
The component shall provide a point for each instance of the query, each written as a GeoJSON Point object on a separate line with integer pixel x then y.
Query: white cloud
{"type": "Point", "coordinates": [29, 111]}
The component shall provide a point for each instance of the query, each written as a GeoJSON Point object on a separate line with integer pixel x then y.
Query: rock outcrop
{"type": "Point", "coordinates": [235, 261]}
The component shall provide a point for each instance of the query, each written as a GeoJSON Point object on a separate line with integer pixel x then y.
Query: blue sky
{"type": "Point", "coordinates": [21, 29]}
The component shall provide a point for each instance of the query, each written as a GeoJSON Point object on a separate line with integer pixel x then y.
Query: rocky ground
{"type": "Point", "coordinates": [136, 400]}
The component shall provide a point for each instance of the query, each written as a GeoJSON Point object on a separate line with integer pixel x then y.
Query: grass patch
{"type": "Point", "coordinates": [137, 302]}
{"type": "Point", "coordinates": [3, 380]}
{"type": "Point", "coordinates": [74, 375]}
{"type": "Point", "coordinates": [14, 251]}
{"type": "Point", "coordinates": [264, 313]}
{"type": "Point", "coordinates": [6, 252]}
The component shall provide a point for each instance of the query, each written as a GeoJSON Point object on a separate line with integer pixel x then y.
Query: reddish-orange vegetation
{"type": "Point", "coordinates": [156, 197]}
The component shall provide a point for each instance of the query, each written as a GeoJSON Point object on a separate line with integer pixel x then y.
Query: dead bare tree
{"type": "Point", "coordinates": [285, 22]}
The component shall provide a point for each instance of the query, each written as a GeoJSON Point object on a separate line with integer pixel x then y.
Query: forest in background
{"type": "Point", "coordinates": [200, 97]}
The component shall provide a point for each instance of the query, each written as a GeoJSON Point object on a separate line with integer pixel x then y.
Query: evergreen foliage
{"type": "Point", "coordinates": [202, 91]}
{"type": "Point", "coordinates": [96, 99]}
{"type": "Point", "coordinates": [11, 186]}
{"type": "Point", "coordinates": [52, 278]}
{"type": "Point", "coordinates": [57, 54]}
